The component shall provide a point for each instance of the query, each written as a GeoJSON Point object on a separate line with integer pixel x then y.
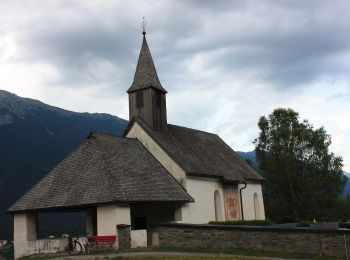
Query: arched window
{"type": "Point", "coordinates": [256, 206]}
{"type": "Point", "coordinates": [218, 206]}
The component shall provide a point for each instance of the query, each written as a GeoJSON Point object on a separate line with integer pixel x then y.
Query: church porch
{"type": "Point", "coordinates": [146, 216]}
{"type": "Point", "coordinates": [136, 220]}
{"type": "Point", "coordinates": [35, 233]}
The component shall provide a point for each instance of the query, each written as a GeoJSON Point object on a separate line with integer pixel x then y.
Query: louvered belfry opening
{"type": "Point", "coordinates": [146, 95]}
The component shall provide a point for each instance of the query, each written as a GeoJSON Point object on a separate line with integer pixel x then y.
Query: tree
{"type": "Point", "coordinates": [303, 180]}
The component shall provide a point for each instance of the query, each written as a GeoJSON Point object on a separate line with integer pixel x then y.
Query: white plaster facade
{"type": "Point", "coordinates": [249, 210]}
{"type": "Point", "coordinates": [24, 229]}
{"type": "Point", "coordinates": [109, 216]}
{"type": "Point", "coordinates": [138, 238]}
{"type": "Point", "coordinates": [203, 209]}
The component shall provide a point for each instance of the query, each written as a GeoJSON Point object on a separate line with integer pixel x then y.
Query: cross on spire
{"type": "Point", "coordinates": [143, 26]}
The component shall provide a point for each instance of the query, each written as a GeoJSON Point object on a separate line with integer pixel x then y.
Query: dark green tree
{"type": "Point", "coordinates": [303, 179]}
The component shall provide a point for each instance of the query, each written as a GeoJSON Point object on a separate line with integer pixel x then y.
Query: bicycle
{"type": "Point", "coordinates": [74, 247]}
{"type": "Point", "coordinates": [90, 247]}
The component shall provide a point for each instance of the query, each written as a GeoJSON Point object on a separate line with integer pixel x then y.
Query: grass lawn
{"type": "Point", "coordinates": [232, 251]}
{"type": "Point", "coordinates": [158, 257]}
{"type": "Point", "coordinates": [236, 253]}
{"type": "Point", "coordinates": [185, 257]}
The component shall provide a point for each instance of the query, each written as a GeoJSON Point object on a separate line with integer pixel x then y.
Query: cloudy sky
{"type": "Point", "coordinates": [239, 59]}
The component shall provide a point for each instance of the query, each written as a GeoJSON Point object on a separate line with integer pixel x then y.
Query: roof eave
{"type": "Point", "coordinates": [84, 206]}
{"type": "Point", "coordinates": [255, 179]}
{"type": "Point", "coordinates": [134, 89]}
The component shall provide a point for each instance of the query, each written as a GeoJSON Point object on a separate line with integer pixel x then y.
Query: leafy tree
{"type": "Point", "coordinates": [303, 180]}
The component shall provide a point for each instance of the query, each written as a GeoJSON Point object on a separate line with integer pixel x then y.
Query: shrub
{"type": "Point", "coordinates": [243, 222]}
{"type": "Point", "coordinates": [304, 224]}
{"type": "Point", "coordinates": [6, 251]}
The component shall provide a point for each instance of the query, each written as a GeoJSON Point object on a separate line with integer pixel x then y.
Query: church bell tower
{"type": "Point", "coordinates": [146, 94]}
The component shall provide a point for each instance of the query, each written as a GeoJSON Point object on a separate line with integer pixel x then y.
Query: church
{"type": "Point", "coordinates": [155, 173]}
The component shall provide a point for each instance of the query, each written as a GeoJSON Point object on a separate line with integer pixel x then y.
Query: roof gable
{"type": "Point", "coordinates": [201, 153]}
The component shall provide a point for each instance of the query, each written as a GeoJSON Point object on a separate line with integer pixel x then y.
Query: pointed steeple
{"type": "Point", "coordinates": [146, 95]}
{"type": "Point", "coordinates": [146, 74]}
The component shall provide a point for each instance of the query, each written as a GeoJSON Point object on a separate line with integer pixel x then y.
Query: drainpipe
{"type": "Point", "coordinates": [240, 196]}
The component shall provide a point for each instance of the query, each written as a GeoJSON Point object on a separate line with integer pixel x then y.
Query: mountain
{"type": "Point", "coordinates": [347, 185]}
{"type": "Point", "coordinates": [249, 156]}
{"type": "Point", "coordinates": [35, 137]}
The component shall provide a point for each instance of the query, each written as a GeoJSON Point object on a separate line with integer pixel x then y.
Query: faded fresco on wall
{"type": "Point", "coordinates": [231, 203]}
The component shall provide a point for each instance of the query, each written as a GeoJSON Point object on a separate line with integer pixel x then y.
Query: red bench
{"type": "Point", "coordinates": [102, 241]}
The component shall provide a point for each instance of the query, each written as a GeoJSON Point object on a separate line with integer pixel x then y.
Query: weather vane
{"type": "Point", "coordinates": [144, 26]}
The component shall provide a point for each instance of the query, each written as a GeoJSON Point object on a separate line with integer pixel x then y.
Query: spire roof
{"type": "Point", "coordinates": [146, 74]}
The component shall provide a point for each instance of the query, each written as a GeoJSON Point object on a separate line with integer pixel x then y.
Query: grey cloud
{"type": "Point", "coordinates": [290, 42]}
{"type": "Point", "coordinates": [293, 47]}
{"type": "Point", "coordinates": [260, 54]}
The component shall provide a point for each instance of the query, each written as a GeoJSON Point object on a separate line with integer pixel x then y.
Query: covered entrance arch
{"type": "Point", "coordinates": [144, 218]}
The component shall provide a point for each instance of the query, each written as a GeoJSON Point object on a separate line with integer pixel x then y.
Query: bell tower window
{"type": "Point", "coordinates": [159, 99]}
{"type": "Point", "coordinates": [139, 99]}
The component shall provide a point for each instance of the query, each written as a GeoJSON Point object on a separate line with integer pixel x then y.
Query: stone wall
{"type": "Point", "coordinates": [290, 240]}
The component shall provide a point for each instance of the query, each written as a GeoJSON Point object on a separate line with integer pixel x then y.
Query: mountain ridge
{"type": "Point", "coordinates": [34, 138]}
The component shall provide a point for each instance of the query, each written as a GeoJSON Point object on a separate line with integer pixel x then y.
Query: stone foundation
{"type": "Point", "coordinates": [124, 236]}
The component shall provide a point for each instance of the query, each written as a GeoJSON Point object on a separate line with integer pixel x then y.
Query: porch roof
{"type": "Point", "coordinates": [103, 169]}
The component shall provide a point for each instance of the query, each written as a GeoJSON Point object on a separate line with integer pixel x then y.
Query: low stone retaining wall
{"type": "Point", "coordinates": [277, 239]}
{"type": "Point", "coordinates": [45, 246]}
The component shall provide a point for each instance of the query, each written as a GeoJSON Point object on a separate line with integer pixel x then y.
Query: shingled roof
{"type": "Point", "coordinates": [146, 74]}
{"type": "Point", "coordinates": [201, 153]}
{"type": "Point", "coordinates": [101, 170]}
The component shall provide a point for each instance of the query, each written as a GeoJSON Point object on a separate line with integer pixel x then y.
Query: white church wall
{"type": "Point", "coordinates": [203, 209]}
{"type": "Point", "coordinates": [137, 132]}
{"type": "Point", "coordinates": [138, 238]}
{"type": "Point", "coordinates": [24, 230]}
{"type": "Point", "coordinates": [249, 210]}
{"type": "Point", "coordinates": [109, 216]}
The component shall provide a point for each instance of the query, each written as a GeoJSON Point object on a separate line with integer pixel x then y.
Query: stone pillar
{"type": "Point", "coordinates": [24, 230]}
{"type": "Point", "coordinates": [109, 216]}
{"type": "Point", "coordinates": [178, 213]}
{"type": "Point", "coordinates": [123, 214]}
{"type": "Point", "coordinates": [91, 222]}
{"type": "Point", "coordinates": [124, 236]}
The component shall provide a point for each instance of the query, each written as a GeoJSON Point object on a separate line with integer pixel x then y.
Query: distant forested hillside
{"type": "Point", "coordinates": [34, 137]}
